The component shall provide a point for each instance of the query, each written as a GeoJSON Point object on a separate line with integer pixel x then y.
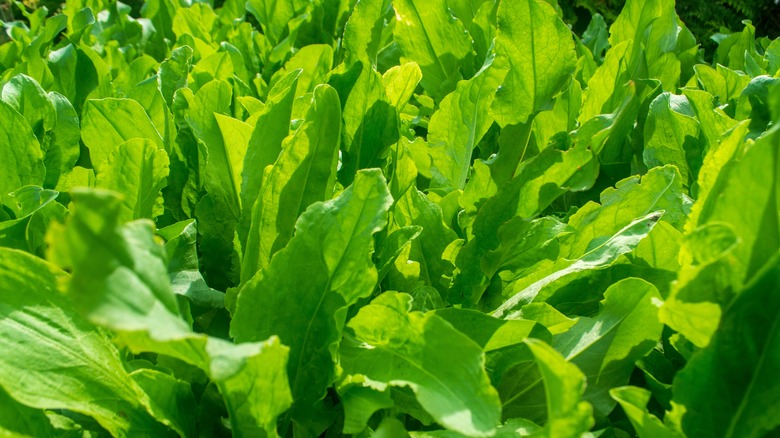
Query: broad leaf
{"type": "Point", "coordinates": [265, 144]}
{"type": "Point", "coordinates": [363, 31]}
{"type": "Point", "coordinates": [332, 245]}
{"type": "Point", "coordinates": [107, 123]}
{"type": "Point", "coordinates": [370, 121]}
{"type": "Point", "coordinates": [303, 173]}
{"type": "Point", "coordinates": [393, 346]}
{"type": "Point", "coordinates": [21, 157]}
{"type": "Point", "coordinates": [634, 400]}
{"type": "Point", "coordinates": [37, 209]}
{"type": "Point", "coordinates": [538, 50]}
{"type": "Point", "coordinates": [108, 260]}
{"type": "Point", "coordinates": [138, 170]}
{"type": "Point", "coordinates": [427, 34]}
{"type": "Point", "coordinates": [607, 346]}
{"type": "Point", "coordinates": [728, 388]}
{"type": "Point", "coordinates": [660, 189]}
{"type": "Point", "coordinates": [538, 183]}
{"type": "Point", "coordinates": [45, 369]}
{"type": "Point", "coordinates": [671, 136]}
{"type": "Point", "coordinates": [567, 414]}
{"type": "Point", "coordinates": [622, 242]}
{"type": "Point", "coordinates": [458, 126]}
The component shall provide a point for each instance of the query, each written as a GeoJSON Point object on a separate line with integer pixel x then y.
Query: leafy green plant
{"type": "Point", "coordinates": [707, 18]}
{"type": "Point", "coordinates": [435, 218]}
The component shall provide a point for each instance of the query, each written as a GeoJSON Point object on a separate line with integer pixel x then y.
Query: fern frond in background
{"type": "Point", "coordinates": [704, 17]}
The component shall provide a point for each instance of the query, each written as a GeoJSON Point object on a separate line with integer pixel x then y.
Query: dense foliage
{"type": "Point", "coordinates": [705, 18]}
{"type": "Point", "coordinates": [437, 217]}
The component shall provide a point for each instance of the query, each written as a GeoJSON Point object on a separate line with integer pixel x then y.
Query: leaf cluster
{"type": "Point", "coordinates": [427, 218]}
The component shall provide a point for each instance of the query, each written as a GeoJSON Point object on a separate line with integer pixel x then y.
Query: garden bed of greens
{"type": "Point", "coordinates": [442, 218]}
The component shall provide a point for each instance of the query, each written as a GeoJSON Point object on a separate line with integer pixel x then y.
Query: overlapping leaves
{"type": "Point", "coordinates": [375, 217]}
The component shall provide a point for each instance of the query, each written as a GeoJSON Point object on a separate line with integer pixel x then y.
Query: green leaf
{"type": "Point", "coordinates": [755, 174]}
{"type": "Point", "coordinates": [400, 82]}
{"type": "Point", "coordinates": [393, 246]}
{"type": "Point", "coordinates": [561, 118]}
{"type": "Point", "coordinates": [265, 144]}
{"type": "Point", "coordinates": [622, 242]}
{"type": "Point", "coordinates": [21, 158]}
{"type": "Point", "coordinates": [274, 16]}
{"type": "Point", "coordinates": [61, 146]}
{"type": "Point", "coordinates": [370, 121]}
{"type": "Point", "coordinates": [707, 280]}
{"type": "Point", "coordinates": [522, 169]}
{"type": "Point", "coordinates": [458, 126]}
{"type": "Point", "coordinates": [303, 174]}
{"type": "Point", "coordinates": [148, 94]}
{"type": "Point", "coordinates": [660, 189]}
{"type": "Point", "coordinates": [396, 347]}
{"type": "Point", "coordinates": [252, 379]}
{"type": "Point", "coordinates": [107, 123]}
{"type": "Point", "coordinates": [772, 55]}
{"type": "Point", "coordinates": [173, 72]}
{"type": "Point", "coordinates": [390, 427]}
{"type": "Point", "coordinates": [490, 333]}
{"type": "Point", "coordinates": [183, 265]}
{"type": "Point", "coordinates": [96, 248]}
{"type": "Point", "coordinates": [526, 247]}
{"type": "Point", "coordinates": [567, 414]}
{"type": "Point", "coordinates": [219, 165]}
{"type": "Point", "coordinates": [27, 97]}
{"type": "Point", "coordinates": [426, 33]}
{"type": "Point", "coordinates": [596, 37]}
{"type": "Point", "coordinates": [728, 388]}
{"type": "Point", "coordinates": [654, 36]}
{"type": "Point", "coordinates": [754, 104]}
{"type": "Point", "coordinates": [57, 360]}
{"type": "Point", "coordinates": [196, 21]}
{"type": "Point", "coordinates": [37, 209]}
{"type": "Point", "coordinates": [360, 403]}
{"type": "Point", "coordinates": [226, 165]}
{"type": "Point", "coordinates": [218, 245]}
{"type": "Point", "coordinates": [224, 141]}
{"type": "Point", "coordinates": [465, 10]}
{"type": "Point", "coordinates": [713, 121]}
{"type": "Point", "coordinates": [545, 314]}
{"type": "Point", "coordinates": [501, 340]}
{"type": "Point", "coordinates": [414, 208]}
{"type": "Point", "coordinates": [314, 62]}
{"type": "Point", "coordinates": [170, 398]}
{"type": "Point", "coordinates": [723, 83]}
{"type": "Point", "coordinates": [108, 259]}
{"type": "Point", "coordinates": [363, 31]}
{"type": "Point", "coordinates": [735, 49]}
{"type": "Point", "coordinates": [332, 245]}
{"type": "Point", "coordinates": [634, 400]}
{"type": "Point", "coordinates": [612, 136]}
{"type": "Point", "coordinates": [538, 183]}
{"type": "Point", "coordinates": [138, 170]}
{"type": "Point", "coordinates": [75, 75]}
{"type": "Point", "coordinates": [672, 136]}
{"type": "Point", "coordinates": [18, 420]}
{"type": "Point", "coordinates": [537, 49]}
{"type": "Point", "coordinates": [605, 92]}
{"type": "Point", "coordinates": [607, 346]}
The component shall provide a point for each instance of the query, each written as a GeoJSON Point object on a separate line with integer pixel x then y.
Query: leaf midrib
{"type": "Point", "coordinates": [325, 291]}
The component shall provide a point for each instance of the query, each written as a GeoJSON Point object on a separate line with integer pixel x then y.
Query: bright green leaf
{"type": "Point", "coordinates": [396, 347]}
{"type": "Point", "coordinates": [538, 50]}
